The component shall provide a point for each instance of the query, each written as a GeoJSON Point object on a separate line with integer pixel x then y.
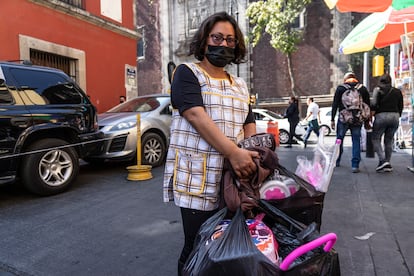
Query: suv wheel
{"type": "Point", "coordinates": [153, 149]}
{"type": "Point", "coordinates": [51, 171]}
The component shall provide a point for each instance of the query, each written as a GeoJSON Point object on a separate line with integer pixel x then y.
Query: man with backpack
{"type": "Point", "coordinates": [352, 101]}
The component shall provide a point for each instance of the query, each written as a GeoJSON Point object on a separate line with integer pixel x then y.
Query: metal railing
{"type": "Point", "coordinates": [76, 3]}
{"type": "Point", "coordinates": [66, 64]}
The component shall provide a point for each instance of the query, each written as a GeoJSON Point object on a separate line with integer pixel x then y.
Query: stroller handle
{"type": "Point", "coordinates": [329, 239]}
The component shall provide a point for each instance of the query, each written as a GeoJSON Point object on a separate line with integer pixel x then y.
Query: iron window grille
{"type": "Point", "coordinates": [76, 3]}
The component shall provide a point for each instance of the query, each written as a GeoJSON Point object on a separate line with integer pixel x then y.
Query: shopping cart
{"type": "Point", "coordinates": [403, 135]}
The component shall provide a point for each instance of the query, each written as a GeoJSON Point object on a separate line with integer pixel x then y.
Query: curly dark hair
{"type": "Point", "coordinates": [384, 82]}
{"type": "Point", "coordinates": [199, 40]}
{"type": "Point", "coordinates": [385, 79]}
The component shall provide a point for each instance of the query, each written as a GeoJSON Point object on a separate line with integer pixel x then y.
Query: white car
{"type": "Point", "coordinates": [325, 115]}
{"type": "Point", "coordinates": [264, 116]}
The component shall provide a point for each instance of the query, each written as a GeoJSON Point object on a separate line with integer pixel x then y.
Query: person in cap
{"type": "Point", "coordinates": [341, 128]}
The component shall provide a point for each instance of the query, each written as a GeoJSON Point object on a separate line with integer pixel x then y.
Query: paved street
{"type": "Point", "coordinates": [107, 225]}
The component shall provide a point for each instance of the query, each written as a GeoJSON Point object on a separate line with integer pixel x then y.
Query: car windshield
{"type": "Point", "coordinates": [273, 114]}
{"type": "Point", "coordinates": [145, 104]}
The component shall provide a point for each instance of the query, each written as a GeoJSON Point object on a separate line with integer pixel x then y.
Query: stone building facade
{"type": "Point", "coordinates": [149, 58]}
{"type": "Point", "coordinates": [183, 21]}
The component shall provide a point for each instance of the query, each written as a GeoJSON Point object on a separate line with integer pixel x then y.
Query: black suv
{"type": "Point", "coordinates": [46, 124]}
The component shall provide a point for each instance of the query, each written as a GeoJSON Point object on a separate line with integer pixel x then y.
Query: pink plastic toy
{"type": "Point", "coordinates": [329, 239]}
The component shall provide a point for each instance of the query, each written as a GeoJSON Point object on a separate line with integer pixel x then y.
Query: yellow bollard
{"type": "Point", "coordinates": [139, 172]}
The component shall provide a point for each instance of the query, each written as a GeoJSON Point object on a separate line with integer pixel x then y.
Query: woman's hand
{"type": "Point", "coordinates": [242, 162]}
{"type": "Point", "coordinates": [240, 159]}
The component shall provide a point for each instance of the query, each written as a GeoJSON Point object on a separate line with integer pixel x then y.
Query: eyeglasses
{"type": "Point", "coordinates": [219, 38]}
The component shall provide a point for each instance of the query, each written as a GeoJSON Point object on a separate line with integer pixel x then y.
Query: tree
{"type": "Point", "coordinates": [276, 18]}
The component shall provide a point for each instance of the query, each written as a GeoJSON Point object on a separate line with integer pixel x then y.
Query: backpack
{"type": "Point", "coordinates": [356, 112]}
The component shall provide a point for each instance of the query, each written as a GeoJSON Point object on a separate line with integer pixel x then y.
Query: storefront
{"type": "Point", "coordinates": [404, 79]}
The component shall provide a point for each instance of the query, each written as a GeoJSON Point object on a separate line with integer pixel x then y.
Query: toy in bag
{"type": "Point", "coordinates": [278, 186]}
{"type": "Point", "coordinates": [319, 171]}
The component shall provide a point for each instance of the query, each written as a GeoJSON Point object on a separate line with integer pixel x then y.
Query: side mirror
{"type": "Point", "coordinates": [2, 82]}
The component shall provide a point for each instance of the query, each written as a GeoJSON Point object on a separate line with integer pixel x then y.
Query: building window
{"type": "Point", "coordinates": [67, 65]}
{"type": "Point", "coordinates": [141, 45]}
{"type": "Point", "coordinates": [112, 9]}
{"type": "Point", "coordinates": [300, 21]}
{"type": "Point", "coordinates": [76, 3]}
{"type": "Point", "coordinates": [30, 47]}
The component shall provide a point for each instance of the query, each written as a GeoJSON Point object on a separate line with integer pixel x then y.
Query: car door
{"type": "Point", "coordinates": [14, 119]}
{"type": "Point", "coordinates": [49, 92]}
{"type": "Point", "coordinates": [166, 116]}
{"type": "Point", "coordinates": [261, 122]}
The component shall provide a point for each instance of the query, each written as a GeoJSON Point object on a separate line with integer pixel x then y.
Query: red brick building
{"type": "Point", "coordinates": [311, 63]}
{"type": "Point", "coordinates": [94, 41]}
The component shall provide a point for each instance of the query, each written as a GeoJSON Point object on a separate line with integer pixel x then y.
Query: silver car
{"type": "Point", "coordinates": [119, 126]}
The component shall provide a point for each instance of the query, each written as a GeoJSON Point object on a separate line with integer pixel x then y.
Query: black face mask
{"type": "Point", "coordinates": [219, 56]}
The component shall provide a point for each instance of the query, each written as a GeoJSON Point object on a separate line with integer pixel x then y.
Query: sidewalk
{"type": "Point", "coordinates": [371, 213]}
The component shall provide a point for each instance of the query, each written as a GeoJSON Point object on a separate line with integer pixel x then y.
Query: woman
{"type": "Point", "coordinates": [292, 114]}
{"type": "Point", "coordinates": [211, 114]}
{"type": "Point", "coordinates": [387, 106]}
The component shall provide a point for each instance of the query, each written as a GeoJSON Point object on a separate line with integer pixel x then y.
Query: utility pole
{"type": "Point", "coordinates": [236, 15]}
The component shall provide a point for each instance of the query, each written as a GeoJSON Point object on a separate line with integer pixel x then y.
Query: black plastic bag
{"type": "Point", "coordinates": [233, 253]}
{"type": "Point", "coordinates": [306, 205]}
{"type": "Point", "coordinates": [302, 207]}
{"type": "Point", "coordinates": [292, 235]}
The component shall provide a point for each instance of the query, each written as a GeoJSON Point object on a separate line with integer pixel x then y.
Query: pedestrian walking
{"type": "Point", "coordinates": [387, 106]}
{"type": "Point", "coordinates": [350, 82]}
{"type": "Point", "coordinates": [211, 114]}
{"type": "Point", "coordinates": [292, 114]}
{"type": "Point", "coordinates": [313, 119]}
